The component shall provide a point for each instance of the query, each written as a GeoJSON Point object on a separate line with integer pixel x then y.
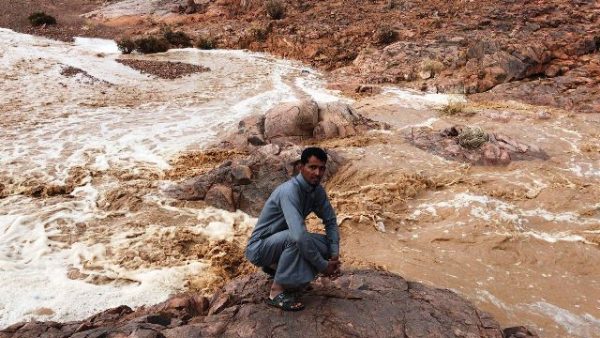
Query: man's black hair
{"type": "Point", "coordinates": [313, 151]}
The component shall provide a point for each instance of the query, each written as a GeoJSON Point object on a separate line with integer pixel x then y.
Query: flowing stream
{"type": "Point", "coordinates": [113, 131]}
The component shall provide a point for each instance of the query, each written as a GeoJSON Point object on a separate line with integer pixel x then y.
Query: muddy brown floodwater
{"type": "Point", "coordinates": [84, 159]}
{"type": "Point", "coordinates": [520, 241]}
{"type": "Point", "coordinates": [86, 145]}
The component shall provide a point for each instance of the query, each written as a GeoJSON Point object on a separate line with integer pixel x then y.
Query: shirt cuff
{"type": "Point", "coordinates": [334, 248]}
{"type": "Point", "coordinates": [322, 265]}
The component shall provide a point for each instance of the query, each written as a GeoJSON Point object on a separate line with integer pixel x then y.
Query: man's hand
{"type": "Point", "coordinates": [333, 266]}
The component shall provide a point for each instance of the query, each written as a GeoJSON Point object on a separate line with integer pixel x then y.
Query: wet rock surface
{"type": "Point", "coordinates": [300, 121]}
{"type": "Point", "coordinates": [246, 183]}
{"type": "Point", "coordinates": [473, 145]}
{"type": "Point", "coordinates": [361, 303]}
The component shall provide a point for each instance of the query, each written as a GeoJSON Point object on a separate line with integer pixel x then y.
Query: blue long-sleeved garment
{"type": "Point", "coordinates": [287, 208]}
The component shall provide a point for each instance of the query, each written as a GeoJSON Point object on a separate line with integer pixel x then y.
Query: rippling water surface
{"type": "Point", "coordinates": [113, 132]}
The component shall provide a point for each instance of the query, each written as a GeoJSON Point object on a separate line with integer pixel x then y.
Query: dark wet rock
{"type": "Point", "coordinates": [518, 332]}
{"type": "Point", "coordinates": [251, 130]}
{"type": "Point", "coordinates": [570, 89]}
{"type": "Point", "coordinates": [473, 145]}
{"type": "Point", "coordinates": [250, 180]}
{"type": "Point", "coordinates": [220, 196]}
{"type": "Point", "coordinates": [361, 303]}
{"type": "Point", "coordinates": [241, 174]}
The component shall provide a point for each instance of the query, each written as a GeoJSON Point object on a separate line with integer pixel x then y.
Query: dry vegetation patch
{"type": "Point", "coordinates": [196, 163]}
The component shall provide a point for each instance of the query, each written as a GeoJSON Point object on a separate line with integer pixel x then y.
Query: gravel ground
{"type": "Point", "coordinates": [164, 69]}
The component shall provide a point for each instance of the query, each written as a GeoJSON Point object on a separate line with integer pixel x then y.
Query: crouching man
{"type": "Point", "coordinates": [280, 243]}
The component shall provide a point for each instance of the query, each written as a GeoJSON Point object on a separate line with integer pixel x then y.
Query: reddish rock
{"type": "Point", "coordinates": [494, 149]}
{"type": "Point", "coordinates": [325, 130]}
{"type": "Point", "coordinates": [361, 303]}
{"type": "Point", "coordinates": [493, 155]}
{"type": "Point", "coordinates": [220, 196]}
{"type": "Point", "coordinates": [291, 120]}
{"type": "Point", "coordinates": [241, 174]}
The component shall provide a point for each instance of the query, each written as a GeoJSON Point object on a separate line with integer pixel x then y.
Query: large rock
{"type": "Point", "coordinates": [297, 121]}
{"type": "Point", "coordinates": [291, 120]}
{"type": "Point", "coordinates": [473, 145]}
{"type": "Point", "coordinates": [246, 183]}
{"type": "Point", "coordinates": [220, 196]}
{"type": "Point", "coordinates": [272, 156]}
{"type": "Point", "coordinates": [361, 303]}
{"type": "Point", "coordinates": [336, 119]}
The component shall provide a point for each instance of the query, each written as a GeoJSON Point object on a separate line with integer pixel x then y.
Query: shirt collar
{"type": "Point", "coordinates": [307, 187]}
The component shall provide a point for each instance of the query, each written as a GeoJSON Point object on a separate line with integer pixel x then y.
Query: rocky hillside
{"type": "Point", "coordinates": [542, 53]}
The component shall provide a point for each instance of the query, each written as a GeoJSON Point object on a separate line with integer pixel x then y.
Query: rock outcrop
{"type": "Point", "coordinates": [298, 121]}
{"type": "Point", "coordinates": [246, 183]}
{"type": "Point", "coordinates": [473, 145]}
{"type": "Point", "coordinates": [273, 157]}
{"type": "Point", "coordinates": [361, 303]}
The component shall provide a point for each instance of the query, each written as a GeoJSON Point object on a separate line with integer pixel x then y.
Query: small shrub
{"type": "Point", "coordinates": [259, 34]}
{"type": "Point", "coordinates": [275, 9]}
{"type": "Point", "coordinates": [126, 45]}
{"type": "Point", "coordinates": [41, 18]}
{"type": "Point", "coordinates": [472, 137]}
{"type": "Point", "coordinates": [177, 39]}
{"type": "Point", "coordinates": [385, 35]}
{"type": "Point", "coordinates": [206, 42]}
{"type": "Point", "coordinates": [148, 45]}
{"type": "Point", "coordinates": [433, 66]}
{"type": "Point", "coordinates": [453, 108]}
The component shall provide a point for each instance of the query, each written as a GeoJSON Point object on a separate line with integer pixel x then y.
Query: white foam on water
{"type": "Point", "coordinates": [499, 212]}
{"type": "Point", "coordinates": [564, 236]}
{"type": "Point", "coordinates": [418, 100]}
{"type": "Point", "coordinates": [584, 325]}
{"type": "Point", "coordinates": [46, 286]}
{"type": "Point", "coordinates": [582, 169]}
{"type": "Point", "coordinates": [184, 111]}
{"type": "Point", "coordinates": [308, 83]}
{"type": "Point", "coordinates": [427, 124]}
{"type": "Point", "coordinates": [486, 296]}
{"type": "Point", "coordinates": [52, 123]}
{"type": "Point", "coordinates": [97, 45]}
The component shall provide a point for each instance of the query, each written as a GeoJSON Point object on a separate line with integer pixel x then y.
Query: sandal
{"type": "Point", "coordinates": [286, 302]}
{"type": "Point", "coordinates": [298, 293]}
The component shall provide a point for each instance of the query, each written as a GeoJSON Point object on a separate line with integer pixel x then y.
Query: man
{"type": "Point", "coordinates": [280, 243]}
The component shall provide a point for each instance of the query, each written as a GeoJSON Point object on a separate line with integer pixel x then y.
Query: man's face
{"type": "Point", "coordinates": [313, 170]}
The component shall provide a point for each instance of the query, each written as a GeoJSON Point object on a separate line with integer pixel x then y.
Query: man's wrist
{"type": "Point", "coordinates": [323, 264]}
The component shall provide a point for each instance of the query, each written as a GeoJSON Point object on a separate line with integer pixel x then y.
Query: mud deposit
{"type": "Point", "coordinates": [88, 144]}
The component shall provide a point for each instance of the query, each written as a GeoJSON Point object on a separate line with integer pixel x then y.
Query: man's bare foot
{"type": "Point", "coordinates": [275, 290]}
